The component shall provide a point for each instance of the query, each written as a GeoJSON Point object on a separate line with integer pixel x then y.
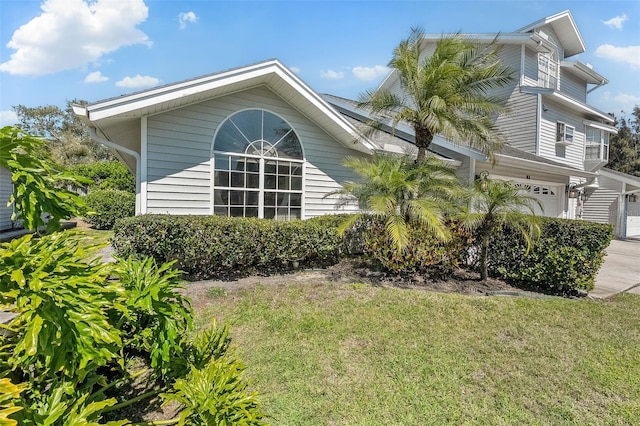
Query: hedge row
{"type": "Point", "coordinates": [108, 206]}
{"type": "Point", "coordinates": [566, 257]}
{"type": "Point", "coordinates": [214, 246]}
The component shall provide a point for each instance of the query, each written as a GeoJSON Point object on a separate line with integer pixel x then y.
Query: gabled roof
{"type": "Point", "coordinates": [509, 156]}
{"type": "Point", "coordinates": [565, 27]}
{"type": "Point", "coordinates": [272, 74]}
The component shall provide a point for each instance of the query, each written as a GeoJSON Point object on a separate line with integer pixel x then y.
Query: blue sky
{"type": "Point", "coordinates": [55, 50]}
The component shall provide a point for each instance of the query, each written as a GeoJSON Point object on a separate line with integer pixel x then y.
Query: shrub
{"type": "Point", "coordinates": [109, 206]}
{"type": "Point", "coordinates": [425, 253]}
{"type": "Point", "coordinates": [213, 246]}
{"type": "Point", "coordinates": [565, 258]}
{"type": "Point", "coordinates": [106, 175]}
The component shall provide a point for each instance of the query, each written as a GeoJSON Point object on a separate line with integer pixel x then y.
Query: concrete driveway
{"type": "Point", "coordinates": [620, 271]}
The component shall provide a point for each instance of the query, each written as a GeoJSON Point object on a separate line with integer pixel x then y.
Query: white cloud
{"type": "Point", "coordinates": [627, 101]}
{"type": "Point", "coordinates": [95, 77]}
{"type": "Point", "coordinates": [629, 54]}
{"type": "Point", "coordinates": [69, 34]}
{"type": "Point", "coordinates": [295, 70]}
{"type": "Point", "coordinates": [370, 73]}
{"type": "Point", "coordinates": [185, 17]}
{"type": "Point", "coordinates": [332, 75]}
{"type": "Point", "coordinates": [138, 81]}
{"type": "Point", "coordinates": [8, 118]}
{"type": "Point", "coordinates": [616, 22]}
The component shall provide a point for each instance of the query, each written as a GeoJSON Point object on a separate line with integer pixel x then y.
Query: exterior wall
{"type": "Point", "coordinates": [571, 154]}
{"type": "Point", "coordinates": [6, 188]}
{"type": "Point", "coordinates": [179, 149]}
{"type": "Point", "coordinates": [530, 67]}
{"type": "Point", "coordinates": [519, 126]}
{"type": "Point", "coordinates": [573, 86]}
{"type": "Point", "coordinates": [601, 205]}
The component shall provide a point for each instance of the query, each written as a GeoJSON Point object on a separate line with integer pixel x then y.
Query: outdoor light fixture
{"type": "Point", "coordinates": [572, 191]}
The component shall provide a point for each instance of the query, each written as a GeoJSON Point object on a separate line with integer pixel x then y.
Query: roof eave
{"type": "Point", "coordinates": [506, 160]}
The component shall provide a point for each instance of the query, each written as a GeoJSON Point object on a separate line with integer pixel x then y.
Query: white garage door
{"type": "Point", "coordinates": [548, 197]}
{"type": "Point", "coordinates": [633, 219]}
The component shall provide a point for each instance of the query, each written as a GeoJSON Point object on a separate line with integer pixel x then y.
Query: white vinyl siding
{"type": "Point", "coordinates": [179, 150]}
{"type": "Point", "coordinates": [6, 188]}
{"type": "Point", "coordinates": [519, 125]}
{"type": "Point", "coordinates": [573, 86]}
{"type": "Point", "coordinates": [530, 67]}
{"type": "Point", "coordinates": [571, 153]}
{"type": "Point", "coordinates": [601, 206]}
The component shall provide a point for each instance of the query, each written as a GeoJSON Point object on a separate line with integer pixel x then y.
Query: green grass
{"type": "Point", "coordinates": [352, 354]}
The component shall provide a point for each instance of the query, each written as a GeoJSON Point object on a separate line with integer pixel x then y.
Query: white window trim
{"type": "Point", "coordinates": [261, 189]}
{"type": "Point", "coordinates": [563, 140]}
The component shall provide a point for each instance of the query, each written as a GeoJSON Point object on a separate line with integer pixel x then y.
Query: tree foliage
{"type": "Point", "coordinates": [446, 93]}
{"type": "Point", "coordinates": [624, 148]}
{"type": "Point", "coordinates": [494, 204]}
{"type": "Point", "coordinates": [402, 192]}
{"type": "Point", "coordinates": [67, 137]}
{"type": "Point", "coordinates": [37, 182]}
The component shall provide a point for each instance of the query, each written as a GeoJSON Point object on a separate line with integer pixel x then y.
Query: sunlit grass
{"type": "Point", "coordinates": [352, 354]}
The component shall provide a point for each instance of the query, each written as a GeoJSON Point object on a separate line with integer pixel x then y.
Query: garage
{"type": "Point", "coordinates": [633, 219]}
{"type": "Point", "coordinates": [548, 197]}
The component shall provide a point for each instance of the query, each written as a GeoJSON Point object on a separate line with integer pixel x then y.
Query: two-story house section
{"type": "Point", "coordinates": [556, 141]}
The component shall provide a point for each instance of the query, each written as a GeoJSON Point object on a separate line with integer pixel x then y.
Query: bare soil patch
{"type": "Point", "coordinates": [355, 271]}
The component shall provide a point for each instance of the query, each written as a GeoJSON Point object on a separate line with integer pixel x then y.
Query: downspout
{"type": "Point", "coordinates": [107, 142]}
{"type": "Point", "coordinates": [602, 83]}
{"type": "Point", "coordinates": [538, 123]}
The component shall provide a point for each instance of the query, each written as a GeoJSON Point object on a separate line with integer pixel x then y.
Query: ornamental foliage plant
{"type": "Point", "coordinates": [78, 322]}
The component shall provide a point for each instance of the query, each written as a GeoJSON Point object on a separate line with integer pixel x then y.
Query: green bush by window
{"type": "Point", "coordinates": [109, 206]}
{"type": "Point", "coordinates": [565, 258]}
{"type": "Point", "coordinates": [214, 246]}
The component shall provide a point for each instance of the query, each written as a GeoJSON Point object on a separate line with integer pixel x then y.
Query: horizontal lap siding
{"type": "Point", "coordinates": [573, 86]}
{"type": "Point", "coordinates": [6, 188]}
{"type": "Point", "coordinates": [601, 206]}
{"type": "Point", "coordinates": [518, 126]}
{"type": "Point", "coordinates": [179, 146]}
{"type": "Point", "coordinates": [571, 154]}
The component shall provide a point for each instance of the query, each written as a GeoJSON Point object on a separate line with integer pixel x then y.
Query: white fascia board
{"type": "Point", "coordinates": [142, 100]}
{"type": "Point", "coordinates": [364, 144]}
{"type": "Point", "coordinates": [502, 38]}
{"type": "Point", "coordinates": [521, 163]}
{"type": "Point", "coordinates": [620, 177]}
{"type": "Point", "coordinates": [601, 126]}
{"type": "Point", "coordinates": [567, 19]}
{"type": "Point", "coordinates": [584, 71]}
{"type": "Point", "coordinates": [567, 101]}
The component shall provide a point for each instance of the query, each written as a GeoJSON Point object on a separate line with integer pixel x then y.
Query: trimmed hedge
{"type": "Point", "coordinates": [216, 247]}
{"type": "Point", "coordinates": [108, 207]}
{"type": "Point", "coordinates": [106, 175]}
{"type": "Point", "coordinates": [565, 258]}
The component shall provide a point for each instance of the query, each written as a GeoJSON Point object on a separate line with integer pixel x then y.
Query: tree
{"type": "Point", "coordinates": [494, 204]}
{"type": "Point", "coordinates": [37, 181]}
{"type": "Point", "coordinates": [624, 148]}
{"type": "Point", "coordinates": [402, 192]}
{"type": "Point", "coordinates": [67, 138]}
{"type": "Point", "coordinates": [446, 93]}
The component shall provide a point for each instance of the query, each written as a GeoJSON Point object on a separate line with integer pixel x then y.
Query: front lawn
{"type": "Point", "coordinates": [353, 354]}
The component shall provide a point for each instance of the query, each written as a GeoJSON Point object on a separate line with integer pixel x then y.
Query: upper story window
{"type": "Point", "coordinates": [597, 144]}
{"type": "Point", "coordinates": [547, 70]}
{"type": "Point", "coordinates": [564, 133]}
{"type": "Point", "coordinates": [257, 165]}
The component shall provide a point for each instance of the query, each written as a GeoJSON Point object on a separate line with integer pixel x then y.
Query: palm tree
{"type": "Point", "coordinates": [494, 204]}
{"type": "Point", "coordinates": [402, 192]}
{"type": "Point", "coordinates": [445, 93]}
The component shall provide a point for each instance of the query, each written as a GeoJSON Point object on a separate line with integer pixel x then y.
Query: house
{"type": "Point", "coordinates": [6, 188]}
{"type": "Point", "coordinates": [257, 141]}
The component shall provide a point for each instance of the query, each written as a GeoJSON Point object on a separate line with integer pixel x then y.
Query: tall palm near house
{"type": "Point", "coordinates": [446, 93]}
{"type": "Point", "coordinates": [402, 192]}
{"type": "Point", "coordinates": [493, 204]}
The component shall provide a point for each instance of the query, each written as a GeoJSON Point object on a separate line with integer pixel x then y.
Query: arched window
{"type": "Point", "coordinates": [258, 162]}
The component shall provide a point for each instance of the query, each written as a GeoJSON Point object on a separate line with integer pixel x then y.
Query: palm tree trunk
{"type": "Point", "coordinates": [484, 273]}
{"type": "Point", "coordinates": [423, 139]}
